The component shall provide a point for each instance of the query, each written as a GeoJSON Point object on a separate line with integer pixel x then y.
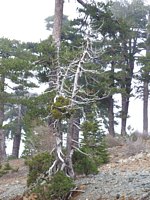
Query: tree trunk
{"type": "Point", "coordinates": [145, 108]}
{"type": "Point", "coordinates": [16, 145]}
{"type": "Point", "coordinates": [124, 115]}
{"type": "Point", "coordinates": [111, 116]}
{"type": "Point", "coordinates": [111, 104]}
{"type": "Point", "coordinates": [146, 86]}
{"type": "Point", "coordinates": [129, 62]}
{"type": "Point", "coordinates": [58, 21]}
{"type": "Point", "coordinates": [2, 136]}
{"type": "Point", "coordinates": [17, 137]}
{"type": "Point", "coordinates": [76, 130]}
{"type": "Point", "coordinates": [70, 148]}
{"type": "Point", "coordinates": [59, 163]}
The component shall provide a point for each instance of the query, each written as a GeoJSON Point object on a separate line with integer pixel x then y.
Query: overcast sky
{"type": "Point", "coordinates": [25, 19]}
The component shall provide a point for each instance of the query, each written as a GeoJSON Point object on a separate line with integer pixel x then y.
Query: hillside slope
{"type": "Point", "coordinates": [125, 177]}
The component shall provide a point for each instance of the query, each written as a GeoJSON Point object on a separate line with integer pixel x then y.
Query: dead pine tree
{"type": "Point", "coordinates": [69, 100]}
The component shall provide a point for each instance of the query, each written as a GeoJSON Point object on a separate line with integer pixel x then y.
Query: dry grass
{"type": "Point", "coordinates": [135, 147]}
{"type": "Point", "coordinates": [113, 141]}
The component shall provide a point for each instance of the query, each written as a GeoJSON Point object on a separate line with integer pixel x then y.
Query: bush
{"type": "Point", "coordinates": [100, 153]}
{"type": "Point", "coordinates": [3, 172]}
{"type": "Point", "coordinates": [95, 144]}
{"type": "Point", "coordinates": [61, 185]}
{"type": "Point", "coordinates": [7, 166]}
{"type": "Point", "coordinates": [5, 169]}
{"type": "Point", "coordinates": [57, 188]}
{"type": "Point", "coordinates": [37, 165]}
{"type": "Point", "coordinates": [84, 164]}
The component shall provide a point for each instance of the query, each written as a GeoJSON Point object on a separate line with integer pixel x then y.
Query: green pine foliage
{"type": "Point", "coordinates": [84, 164]}
{"type": "Point", "coordinates": [39, 164]}
{"type": "Point", "coordinates": [94, 141]}
{"type": "Point", "coordinates": [61, 185]}
{"type": "Point", "coordinates": [6, 168]}
{"type": "Point", "coordinates": [94, 149]}
{"type": "Point", "coordinates": [57, 188]}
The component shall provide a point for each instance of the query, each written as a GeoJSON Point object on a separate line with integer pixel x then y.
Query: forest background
{"type": "Point", "coordinates": [25, 21]}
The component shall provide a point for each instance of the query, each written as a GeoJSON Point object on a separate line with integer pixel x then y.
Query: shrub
{"type": "Point", "coordinates": [61, 185]}
{"type": "Point", "coordinates": [3, 172]}
{"type": "Point", "coordinates": [37, 165]}
{"type": "Point", "coordinates": [101, 154]}
{"type": "Point", "coordinates": [7, 166]}
{"type": "Point", "coordinates": [84, 164]}
{"type": "Point", "coordinates": [11, 157]}
{"type": "Point", "coordinates": [95, 144]}
{"type": "Point", "coordinates": [5, 169]}
{"type": "Point", "coordinates": [57, 188]}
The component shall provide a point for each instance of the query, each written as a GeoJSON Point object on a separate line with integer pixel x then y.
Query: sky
{"type": "Point", "coordinates": [24, 20]}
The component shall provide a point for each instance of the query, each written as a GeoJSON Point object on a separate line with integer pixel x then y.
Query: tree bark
{"type": "Point", "coordinates": [58, 21]}
{"type": "Point", "coordinates": [76, 125]}
{"type": "Point", "coordinates": [111, 116]}
{"type": "Point", "coordinates": [2, 135]}
{"type": "Point", "coordinates": [59, 163]}
{"type": "Point", "coordinates": [111, 105]}
{"type": "Point", "coordinates": [129, 62]}
{"type": "Point", "coordinates": [145, 107]}
{"type": "Point", "coordinates": [146, 86]}
{"type": "Point", "coordinates": [82, 3]}
{"type": "Point", "coordinates": [16, 145]}
{"type": "Point", "coordinates": [124, 114]}
{"type": "Point", "coordinates": [17, 136]}
{"type": "Point", "coordinates": [70, 148]}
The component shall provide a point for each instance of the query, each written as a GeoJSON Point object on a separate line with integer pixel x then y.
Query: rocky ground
{"type": "Point", "coordinates": [125, 177]}
{"type": "Point", "coordinates": [14, 182]}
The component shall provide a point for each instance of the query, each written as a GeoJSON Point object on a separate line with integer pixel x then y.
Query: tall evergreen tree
{"type": "Point", "coordinates": [146, 81]}
{"type": "Point", "coordinates": [134, 14]}
{"type": "Point", "coordinates": [17, 71]}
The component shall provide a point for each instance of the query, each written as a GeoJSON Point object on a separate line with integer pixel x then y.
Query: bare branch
{"type": "Point", "coordinates": [78, 127]}
{"type": "Point", "coordinates": [80, 151]}
{"type": "Point", "coordinates": [50, 171]}
{"type": "Point", "coordinates": [82, 3]}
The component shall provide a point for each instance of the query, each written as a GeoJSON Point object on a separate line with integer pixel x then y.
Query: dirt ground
{"type": "Point", "coordinates": [14, 182]}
